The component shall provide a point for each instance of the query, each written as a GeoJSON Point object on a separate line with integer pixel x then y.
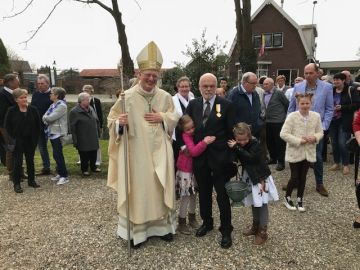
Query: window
{"type": "Point", "coordinates": [262, 70]}
{"type": "Point", "coordinates": [277, 40]}
{"type": "Point", "coordinates": [268, 40]}
{"type": "Point", "coordinates": [257, 41]}
{"type": "Point", "coordinates": [290, 75]}
{"type": "Point", "coordinates": [272, 40]}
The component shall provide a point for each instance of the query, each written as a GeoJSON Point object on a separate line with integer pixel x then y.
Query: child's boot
{"type": "Point", "coordinates": [261, 236]}
{"type": "Point", "coordinates": [192, 221]}
{"type": "Point", "coordinates": [183, 228]}
{"type": "Point", "coordinates": [252, 230]}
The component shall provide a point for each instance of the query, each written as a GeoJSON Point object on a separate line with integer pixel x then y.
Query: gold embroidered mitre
{"type": "Point", "coordinates": [150, 57]}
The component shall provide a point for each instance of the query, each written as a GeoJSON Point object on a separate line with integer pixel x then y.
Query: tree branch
{"type": "Point", "coordinates": [137, 3]}
{"type": "Point", "coordinates": [42, 24]}
{"type": "Point", "coordinates": [101, 4]}
{"type": "Point", "coordinates": [20, 12]}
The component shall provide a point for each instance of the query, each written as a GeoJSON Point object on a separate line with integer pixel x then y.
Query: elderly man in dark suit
{"type": "Point", "coordinates": [11, 82]}
{"type": "Point", "coordinates": [247, 103]}
{"type": "Point", "coordinates": [212, 116]}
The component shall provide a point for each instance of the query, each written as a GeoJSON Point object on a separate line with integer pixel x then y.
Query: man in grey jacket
{"type": "Point", "coordinates": [276, 105]}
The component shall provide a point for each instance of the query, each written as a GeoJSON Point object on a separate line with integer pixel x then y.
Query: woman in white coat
{"type": "Point", "coordinates": [181, 100]}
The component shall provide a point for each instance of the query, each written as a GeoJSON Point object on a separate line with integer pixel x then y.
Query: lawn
{"type": "Point", "coordinates": [71, 157]}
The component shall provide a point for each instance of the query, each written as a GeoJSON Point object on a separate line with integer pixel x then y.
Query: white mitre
{"type": "Point", "coordinates": [150, 57]}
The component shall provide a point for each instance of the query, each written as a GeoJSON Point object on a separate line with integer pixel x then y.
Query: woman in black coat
{"type": "Point", "coordinates": [346, 102]}
{"type": "Point", "coordinates": [22, 123]}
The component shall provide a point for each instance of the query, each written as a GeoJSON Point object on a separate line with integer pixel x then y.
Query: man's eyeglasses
{"type": "Point", "coordinates": [211, 86]}
{"type": "Point", "coordinates": [148, 75]}
{"type": "Point", "coordinates": [253, 83]}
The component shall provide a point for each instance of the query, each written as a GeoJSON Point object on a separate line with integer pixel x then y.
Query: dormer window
{"type": "Point", "coordinates": [272, 40]}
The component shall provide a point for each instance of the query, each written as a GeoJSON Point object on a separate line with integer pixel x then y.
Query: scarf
{"type": "Point", "coordinates": [50, 111]}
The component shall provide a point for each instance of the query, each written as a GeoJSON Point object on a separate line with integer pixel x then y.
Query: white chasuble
{"type": "Point", "coordinates": [151, 164]}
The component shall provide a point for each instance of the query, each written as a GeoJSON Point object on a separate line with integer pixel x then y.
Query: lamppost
{"type": "Point", "coordinates": [313, 46]}
{"type": "Point", "coordinates": [53, 74]}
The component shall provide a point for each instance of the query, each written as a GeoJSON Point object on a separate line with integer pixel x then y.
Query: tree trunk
{"type": "Point", "coordinates": [127, 62]}
{"type": "Point", "coordinates": [247, 54]}
{"type": "Point", "coordinates": [239, 25]}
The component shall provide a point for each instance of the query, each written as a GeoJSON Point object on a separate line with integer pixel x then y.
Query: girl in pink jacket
{"type": "Point", "coordinates": [185, 182]}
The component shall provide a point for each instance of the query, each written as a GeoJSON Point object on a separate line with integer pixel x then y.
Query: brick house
{"type": "Point", "coordinates": [288, 46]}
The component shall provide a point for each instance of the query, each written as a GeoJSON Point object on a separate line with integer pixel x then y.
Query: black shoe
{"type": "Point", "coordinates": [356, 225]}
{"type": "Point", "coordinates": [226, 241]}
{"type": "Point", "coordinates": [271, 161]}
{"type": "Point", "coordinates": [203, 230]}
{"type": "Point", "coordinates": [33, 184]}
{"type": "Point", "coordinates": [167, 237]}
{"type": "Point", "coordinates": [44, 171]}
{"type": "Point", "coordinates": [280, 167]}
{"type": "Point", "coordinates": [18, 189]}
{"type": "Point", "coordinates": [137, 246]}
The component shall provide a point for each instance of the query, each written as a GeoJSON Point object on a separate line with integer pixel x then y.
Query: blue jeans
{"type": "Point", "coordinates": [44, 153]}
{"type": "Point", "coordinates": [59, 157]}
{"type": "Point", "coordinates": [318, 165]}
{"type": "Point", "coordinates": [338, 139]}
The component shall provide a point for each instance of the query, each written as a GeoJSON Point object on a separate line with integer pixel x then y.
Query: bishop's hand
{"type": "Point", "coordinates": [153, 117]}
{"type": "Point", "coordinates": [123, 119]}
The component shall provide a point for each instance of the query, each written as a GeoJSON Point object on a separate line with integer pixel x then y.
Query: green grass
{"type": "Point", "coordinates": [71, 158]}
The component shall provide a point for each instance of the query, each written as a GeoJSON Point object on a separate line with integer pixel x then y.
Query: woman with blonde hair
{"type": "Point", "coordinates": [22, 123]}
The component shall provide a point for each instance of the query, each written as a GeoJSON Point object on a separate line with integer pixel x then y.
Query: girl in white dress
{"type": "Point", "coordinates": [257, 174]}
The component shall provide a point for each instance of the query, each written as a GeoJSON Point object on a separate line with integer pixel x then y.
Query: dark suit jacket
{"type": "Point", "coordinates": [23, 126]}
{"type": "Point", "coordinates": [6, 100]}
{"type": "Point", "coordinates": [98, 109]}
{"type": "Point", "coordinates": [245, 111]}
{"type": "Point", "coordinates": [217, 154]}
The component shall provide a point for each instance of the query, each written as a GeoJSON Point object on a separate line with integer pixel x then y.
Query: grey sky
{"type": "Point", "coordinates": [82, 36]}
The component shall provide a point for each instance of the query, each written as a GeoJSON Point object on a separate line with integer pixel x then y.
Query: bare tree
{"type": "Point", "coordinates": [244, 39]}
{"type": "Point", "coordinates": [13, 55]}
{"type": "Point", "coordinates": [113, 10]}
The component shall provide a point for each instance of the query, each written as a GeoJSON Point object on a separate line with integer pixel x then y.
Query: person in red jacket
{"type": "Point", "coordinates": [356, 129]}
{"type": "Point", "coordinates": [185, 182]}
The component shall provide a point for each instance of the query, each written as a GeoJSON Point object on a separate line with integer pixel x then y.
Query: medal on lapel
{"type": "Point", "coordinates": [218, 109]}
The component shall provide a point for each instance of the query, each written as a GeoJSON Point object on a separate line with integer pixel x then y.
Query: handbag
{"type": "Point", "coordinates": [66, 139]}
{"type": "Point", "coordinates": [352, 145]}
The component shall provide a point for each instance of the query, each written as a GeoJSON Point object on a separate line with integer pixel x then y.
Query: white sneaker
{"type": "Point", "coordinates": [62, 180]}
{"type": "Point", "coordinates": [55, 178]}
{"type": "Point", "coordinates": [289, 204]}
{"type": "Point", "coordinates": [300, 206]}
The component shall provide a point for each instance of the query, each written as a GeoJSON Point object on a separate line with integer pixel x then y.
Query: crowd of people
{"type": "Point", "coordinates": [163, 147]}
{"type": "Point", "coordinates": [26, 126]}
